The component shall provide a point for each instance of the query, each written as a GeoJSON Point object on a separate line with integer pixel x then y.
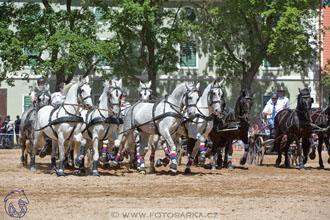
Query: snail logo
{"type": "Point", "coordinates": [12, 199]}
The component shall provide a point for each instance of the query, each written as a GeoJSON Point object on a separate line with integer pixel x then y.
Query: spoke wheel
{"type": "Point", "coordinates": [251, 155]}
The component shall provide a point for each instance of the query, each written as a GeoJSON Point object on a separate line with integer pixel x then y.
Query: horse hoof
{"type": "Point", "coordinates": [278, 162]}
{"type": "Point", "coordinates": [187, 171]}
{"type": "Point", "coordinates": [81, 172]}
{"type": "Point", "coordinates": [21, 164]}
{"type": "Point", "coordinates": [242, 161]}
{"type": "Point", "coordinates": [33, 168]}
{"type": "Point", "coordinates": [114, 164]}
{"type": "Point", "coordinates": [143, 172]}
{"type": "Point", "coordinates": [61, 173]}
{"type": "Point", "coordinates": [96, 173]}
{"type": "Point", "coordinates": [52, 171]}
{"type": "Point", "coordinates": [159, 163]}
{"type": "Point", "coordinates": [152, 170]}
{"type": "Point", "coordinates": [213, 168]}
{"type": "Point", "coordinates": [104, 159]}
{"type": "Point", "coordinates": [230, 166]}
{"type": "Point", "coordinates": [321, 166]}
{"type": "Point", "coordinates": [312, 156]}
{"type": "Point", "coordinates": [201, 159]}
{"type": "Point", "coordinates": [301, 167]}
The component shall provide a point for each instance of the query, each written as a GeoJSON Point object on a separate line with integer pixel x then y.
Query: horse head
{"type": "Point", "coordinates": [190, 98]}
{"type": "Point", "coordinates": [305, 101]}
{"type": "Point", "coordinates": [245, 103]}
{"type": "Point", "coordinates": [145, 91]}
{"type": "Point", "coordinates": [215, 97]}
{"type": "Point", "coordinates": [84, 92]}
{"type": "Point", "coordinates": [43, 96]}
{"type": "Point", "coordinates": [114, 94]}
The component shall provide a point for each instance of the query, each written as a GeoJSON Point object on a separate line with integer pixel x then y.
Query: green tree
{"type": "Point", "coordinates": [148, 34]}
{"type": "Point", "coordinates": [52, 40]}
{"type": "Point", "coordinates": [243, 33]}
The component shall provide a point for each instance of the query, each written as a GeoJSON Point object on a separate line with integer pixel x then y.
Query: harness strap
{"type": "Point", "coordinates": [154, 118]}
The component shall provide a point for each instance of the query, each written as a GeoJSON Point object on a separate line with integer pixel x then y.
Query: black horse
{"type": "Point", "coordinates": [232, 125]}
{"type": "Point", "coordinates": [293, 125]}
{"type": "Point", "coordinates": [321, 118]}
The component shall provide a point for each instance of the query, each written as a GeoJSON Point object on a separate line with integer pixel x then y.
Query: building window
{"type": "Point", "coordinates": [271, 63]}
{"type": "Point", "coordinates": [188, 56]}
{"type": "Point", "coordinates": [27, 53]}
{"type": "Point", "coordinates": [99, 13]}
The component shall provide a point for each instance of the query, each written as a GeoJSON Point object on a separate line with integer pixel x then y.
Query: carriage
{"type": "Point", "coordinates": [261, 143]}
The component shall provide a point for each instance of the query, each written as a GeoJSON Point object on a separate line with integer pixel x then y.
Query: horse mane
{"type": "Point", "coordinates": [68, 87]}
{"type": "Point", "coordinates": [178, 88]}
{"type": "Point", "coordinates": [243, 93]}
{"type": "Point", "coordinates": [106, 87]}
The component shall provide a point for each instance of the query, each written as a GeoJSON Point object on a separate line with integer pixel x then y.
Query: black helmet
{"type": "Point", "coordinates": [124, 94]}
{"type": "Point", "coordinates": [61, 85]}
{"type": "Point", "coordinates": [280, 89]}
{"type": "Point", "coordinates": [274, 96]}
{"type": "Point", "coordinates": [41, 79]}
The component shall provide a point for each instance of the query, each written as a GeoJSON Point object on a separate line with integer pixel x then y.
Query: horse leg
{"type": "Point", "coordinates": [319, 150]}
{"type": "Point", "coordinates": [277, 146]}
{"type": "Point", "coordinates": [125, 136]}
{"type": "Point", "coordinates": [165, 161]}
{"type": "Point", "coordinates": [167, 136]}
{"type": "Point", "coordinates": [37, 140]}
{"type": "Point", "coordinates": [136, 135]}
{"type": "Point", "coordinates": [144, 142]}
{"type": "Point", "coordinates": [23, 149]}
{"type": "Point", "coordinates": [312, 155]}
{"type": "Point", "coordinates": [306, 146]}
{"type": "Point", "coordinates": [152, 157]}
{"type": "Point", "coordinates": [299, 148]}
{"type": "Point", "coordinates": [95, 144]}
{"type": "Point", "coordinates": [53, 158]}
{"type": "Point", "coordinates": [229, 152]}
{"type": "Point", "coordinates": [61, 149]}
{"type": "Point", "coordinates": [246, 150]}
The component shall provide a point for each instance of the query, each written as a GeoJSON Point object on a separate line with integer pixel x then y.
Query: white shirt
{"type": "Point", "coordinates": [124, 107]}
{"type": "Point", "coordinates": [269, 108]}
{"type": "Point", "coordinates": [57, 98]}
{"type": "Point", "coordinates": [283, 102]}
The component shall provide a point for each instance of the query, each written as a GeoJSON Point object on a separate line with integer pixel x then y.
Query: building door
{"type": "Point", "coordinates": [3, 103]}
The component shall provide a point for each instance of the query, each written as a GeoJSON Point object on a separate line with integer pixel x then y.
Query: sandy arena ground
{"type": "Point", "coordinates": [247, 192]}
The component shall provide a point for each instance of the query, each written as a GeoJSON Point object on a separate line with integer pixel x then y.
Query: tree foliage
{"type": "Point", "coordinates": [148, 34]}
{"type": "Point", "coordinates": [242, 33]}
{"type": "Point", "coordinates": [51, 39]}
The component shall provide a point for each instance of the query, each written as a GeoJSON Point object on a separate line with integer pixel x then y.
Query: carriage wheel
{"type": "Point", "coordinates": [251, 151]}
{"type": "Point", "coordinates": [259, 150]}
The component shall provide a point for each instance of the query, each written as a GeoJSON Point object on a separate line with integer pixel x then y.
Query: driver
{"type": "Point", "coordinates": [270, 111]}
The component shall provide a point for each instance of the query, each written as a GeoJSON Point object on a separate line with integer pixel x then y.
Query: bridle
{"type": "Point", "coordinates": [80, 96]}
{"type": "Point", "coordinates": [145, 90]}
{"type": "Point", "coordinates": [110, 103]}
{"type": "Point", "coordinates": [210, 96]}
{"type": "Point", "coordinates": [187, 96]}
{"type": "Point", "coordinates": [244, 112]}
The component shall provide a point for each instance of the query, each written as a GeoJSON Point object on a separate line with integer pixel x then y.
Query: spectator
{"type": "Point", "coordinates": [17, 124]}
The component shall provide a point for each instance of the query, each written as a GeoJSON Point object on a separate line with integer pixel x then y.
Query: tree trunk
{"type": "Point", "coordinates": [152, 76]}
{"type": "Point", "coordinates": [249, 75]}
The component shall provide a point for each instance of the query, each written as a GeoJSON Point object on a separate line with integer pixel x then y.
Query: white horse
{"type": "Point", "coordinates": [210, 103]}
{"type": "Point", "coordinates": [28, 117]}
{"type": "Point", "coordinates": [63, 123]}
{"type": "Point", "coordinates": [161, 118]}
{"type": "Point", "coordinates": [102, 123]}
